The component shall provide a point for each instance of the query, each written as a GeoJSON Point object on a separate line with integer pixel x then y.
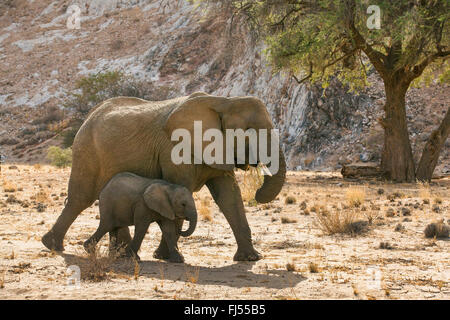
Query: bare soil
{"type": "Point", "coordinates": [301, 261]}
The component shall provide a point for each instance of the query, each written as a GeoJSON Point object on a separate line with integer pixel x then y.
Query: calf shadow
{"type": "Point", "coordinates": [238, 275]}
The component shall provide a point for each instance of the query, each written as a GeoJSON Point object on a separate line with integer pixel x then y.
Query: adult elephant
{"type": "Point", "coordinates": [131, 134]}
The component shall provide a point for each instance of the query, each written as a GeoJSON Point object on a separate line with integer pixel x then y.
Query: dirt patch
{"type": "Point", "coordinates": [300, 260]}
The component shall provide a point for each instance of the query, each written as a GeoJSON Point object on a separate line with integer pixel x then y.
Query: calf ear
{"type": "Point", "coordinates": [156, 197]}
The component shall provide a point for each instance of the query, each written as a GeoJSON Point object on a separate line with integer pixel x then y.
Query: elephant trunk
{"type": "Point", "coordinates": [191, 217]}
{"type": "Point", "coordinates": [272, 184]}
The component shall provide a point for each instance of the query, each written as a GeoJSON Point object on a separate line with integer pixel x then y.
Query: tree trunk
{"type": "Point", "coordinates": [397, 161]}
{"type": "Point", "coordinates": [430, 154]}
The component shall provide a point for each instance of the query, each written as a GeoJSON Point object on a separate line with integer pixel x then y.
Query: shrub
{"type": "Point", "coordinates": [91, 90]}
{"type": "Point", "coordinates": [437, 230]}
{"type": "Point", "coordinates": [117, 44]}
{"type": "Point", "coordinates": [341, 221]}
{"type": "Point", "coordinates": [98, 87]}
{"type": "Point", "coordinates": [50, 115]}
{"type": "Point", "coordinates": [60, 158]}
{"type": "Point", "coordinates": [9, 141]}
{"type": "Point", "coordinates": [68, 136]}
{"type": "Point", "coordinates": [290, 200]}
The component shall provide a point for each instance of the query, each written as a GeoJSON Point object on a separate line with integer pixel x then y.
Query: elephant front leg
{"type": "Point", "coordinates": [170, 233]}
{"type": "Point", "coordinates": [227, 195]}
{"type": "Point", "coordinates": [162, 252]}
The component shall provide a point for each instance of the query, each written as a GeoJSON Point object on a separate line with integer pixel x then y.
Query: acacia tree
{"type": "Point", "coordinates": [342, 38]}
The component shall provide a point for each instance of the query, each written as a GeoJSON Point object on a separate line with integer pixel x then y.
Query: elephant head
{"type": "Point", "coordinates": [222, 114]}
{"type": "Point", "coordinates": [172, 202]}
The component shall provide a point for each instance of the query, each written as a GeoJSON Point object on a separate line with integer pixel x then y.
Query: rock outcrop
{"type": "Point", "coordinates": [179, 49]}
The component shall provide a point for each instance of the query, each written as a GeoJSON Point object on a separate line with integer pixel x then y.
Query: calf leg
{"type": "Point", "coordinates": [170, 236]}
{"type": "Point", "coordinates": [121, 239]}
{"type": "Point", "coordinates": [139, 234]}
{"type": "Point", "coordinates": [163, 251]}
{"type": "Point", "coordinates": [89, 245]}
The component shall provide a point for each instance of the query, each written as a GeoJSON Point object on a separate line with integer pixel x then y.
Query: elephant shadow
{"type": "Point", "coordinates": [238, 275]}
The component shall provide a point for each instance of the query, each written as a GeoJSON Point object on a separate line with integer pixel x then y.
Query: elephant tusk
{"type": "Point", "coordinates": [265, 170]}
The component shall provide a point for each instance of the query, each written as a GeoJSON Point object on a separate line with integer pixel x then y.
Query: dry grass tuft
{"type": "Point", "coordinates": [288, 220]}
{"type": "Point", "coordinates": [137, 269]}
{"type": "Point", "coordinates": [385, 245]}
{"type": "Point", "coordinates": [204, 209]}
{"type": "Point", "coordinates": [355, 196]}
{"type": "Point", "coordinates": [97, 266]}
{"type": "Point", "coordinates": [42, 196]}
{"type": "Point", "coordinates": [8, 186]}
{"type": "Point", "coordinates": [424, 190]}
{"type": "Point", "coordinates": [341, 221]}
{"type": "Point", "coordinates": [290, 200]}
{"type": "Point", "coordinates": [395, 195]}
{"type": "Point", "coordinates": [192, 275]}
{"type": "Point", "coordinates": [252, 181]}
{"type": "Point", "coordinates": [437, 230]}
{"type": "Point", "coordinates": [371, 215]}
{"type": "Point", "coordinates": [290, 266]}
{"type": "Point", "coordinates": [313, 267]}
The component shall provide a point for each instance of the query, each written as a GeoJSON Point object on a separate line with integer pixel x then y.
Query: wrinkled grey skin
{"type": "Point", "coordinates": [129, 199]}
{"type": "Point", "coordinates": [133, 135]}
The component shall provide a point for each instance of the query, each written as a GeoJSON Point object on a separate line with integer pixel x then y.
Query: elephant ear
{"type": "Point", "coordinates": [156, 197]}
{"type": "Point", "coordinates": [204, 108]}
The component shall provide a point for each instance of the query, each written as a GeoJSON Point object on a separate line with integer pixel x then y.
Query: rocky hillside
{"type": "Point", "coordinates": [176, 48]}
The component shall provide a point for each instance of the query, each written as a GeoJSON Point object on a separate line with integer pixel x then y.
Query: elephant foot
{"type": "Point", "coordinates": [117, 251]}
{"type": "Point", "coordinates": [130, 254]}
{"type": "Point", "coordinates": [176, 258]}
{"type": "Point", "coordinates": [247, 255]}
{"type": "Point", "coordinates": [89, 247]}
{"type": "Point", "coordinates": [51, 242]}
{"type": "Point", "coordinates": [161, 254]}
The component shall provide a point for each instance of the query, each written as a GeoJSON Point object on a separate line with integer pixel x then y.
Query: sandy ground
{"type": "Point", "coordinates": [301, 261]}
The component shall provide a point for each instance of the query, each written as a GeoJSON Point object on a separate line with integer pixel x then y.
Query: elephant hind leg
{"type": "Point", "coordinates": [119, 238]}
{"type": "Point", "coordinates": [82, 194]}
{"type": "Point", "coordinates": [89, 245]}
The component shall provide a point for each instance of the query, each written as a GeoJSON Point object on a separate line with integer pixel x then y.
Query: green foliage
{"type": "Point", "coordinates": [95, 88]}
{"type": "Point", "coordinates": [91, 90]}
{"type": "Point", "coordinates": [69, 135]}
{"type": "Point", "coordinates": [58, 157]}
{"type": "Point", "coordinates": [324, 38]}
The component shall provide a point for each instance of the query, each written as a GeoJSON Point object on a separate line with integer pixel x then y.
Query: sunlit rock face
{"type": "Point", "coordinates": [179, 49]}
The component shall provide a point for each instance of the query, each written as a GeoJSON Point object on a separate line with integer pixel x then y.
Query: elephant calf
{"type": "Point", "coordinates": [129, 199]}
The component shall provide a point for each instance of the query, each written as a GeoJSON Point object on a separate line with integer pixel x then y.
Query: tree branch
{"type": "Point", "coordinates": [340, 58]}
{"type": "Point", "coordinates": [305, 78]}
{"type": "Point", "coordinates": [418, 69]}
{"type": "Point", "coordinates": [376, 58]}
